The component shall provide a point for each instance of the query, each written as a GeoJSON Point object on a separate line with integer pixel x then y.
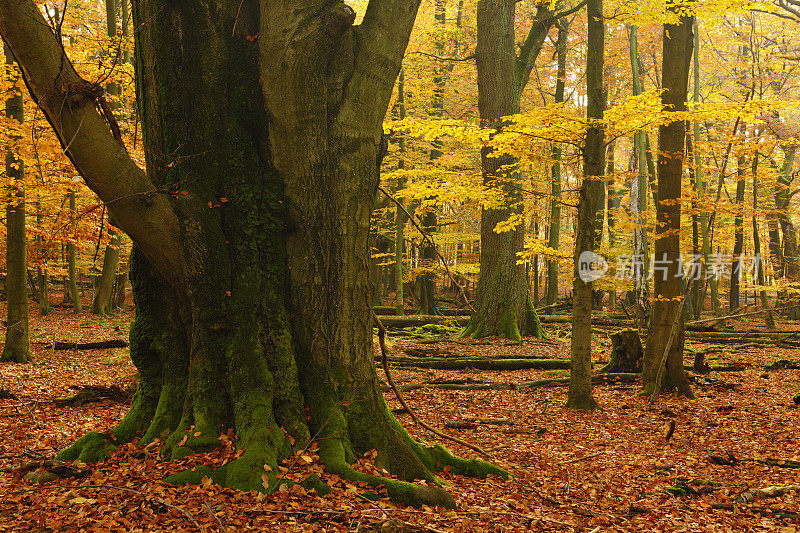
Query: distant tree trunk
{"type": "Point", "coordinates": [42, 277]}
{"type": "Point", "coordinates": [101, 305]}
{"type": "Point", "coordinates": [120, 285]}
{"type": "Point", "coordinates": [400, 216]}
{"type": "Point", "coordinates": [699, 187]}
{"type": "Point", "coordinates": [789, 253]}
{"type": "Point", "coordinates": [17, 343]}
{"type": "Point", "coordinates": [426, 284]}
{"type": "Point", "coordinates": [738, 236]}
{"type": "Point", "coordinates": [555, 186]}
{"type": "Point", "coordinates": [677, 53]}
{"type": "Point", "coordinates": [71, 294]}
{"type": "Point", "coordinates": [590, 202]}
{"type": "Point", "coordinates": [759, 263]}
{"type": "Point", "coordinates": [641, 260]}
{"type": "Point", "coordinates": [697, 304]}
{"type": "Point", "coordinates": [613, 201]}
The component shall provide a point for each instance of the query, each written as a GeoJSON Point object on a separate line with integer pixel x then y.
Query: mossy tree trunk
{"type": "Point", "coordinates": [590, 203]}
{"type": "Point", "coordinates": [677, 51]}
{"type": "Point", "coordinates": [789, 252]}
{"type": "Point", "coordinates": [252, 282]}
{"type": "Point", "coordinates": [17, 342]}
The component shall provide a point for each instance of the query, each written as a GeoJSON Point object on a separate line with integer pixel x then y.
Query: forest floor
{"type": "Point", "coordinates": [609, 470]}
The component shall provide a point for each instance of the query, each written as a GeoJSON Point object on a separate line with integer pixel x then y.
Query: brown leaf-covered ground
{"type": "Point", "coordinates": [601, 471]}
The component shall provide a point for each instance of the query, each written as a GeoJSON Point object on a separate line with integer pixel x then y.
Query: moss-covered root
{"type": "Point", "coordinates": [332, 453]}
{"type": "Point", "coordinates": [91, 448]}
{"type": "Point", "coordinates": [505, 324]}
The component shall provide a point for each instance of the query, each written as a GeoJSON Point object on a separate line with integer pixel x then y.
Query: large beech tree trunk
{"type": "Point", "coordinates": [252, 279]}
{"type": "Point", "coordinates": [677, 51]}
{"type": "Point", "coordinates": [503, 304]}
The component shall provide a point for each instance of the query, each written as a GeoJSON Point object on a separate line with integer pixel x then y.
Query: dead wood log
{"type": "Point", "coordinates": [783, 364]}
{"type": "Point", "coordinates": [596, 378]}
{"type": "Point", "coordinates": [392, 311]}
{"type": "Point", "coordinates": [58, 468]}
{"type": "Point", "coordinates": [62, 345]}
{"type": "Point", "coordinates": [480, 363]}
{"type": "Point", "coordinates": [773, 491]}
{"type": "Point", "coordinates": [422, 320]}
{"type": "Point", "coordinates": [626, 352]}
{"type": "Point", "coordinates": [96, 393]}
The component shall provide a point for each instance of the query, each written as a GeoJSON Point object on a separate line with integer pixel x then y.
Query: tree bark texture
{"type": "Point", "coordinates": [555, 186]}
{"type": "Point", "coordinates": [677, 51]}
{"type": "Point", "coordinates": [17, 342]}
{"type": "Point", "coordinates": [102, 304]}
{"type": "Point", "coordinates": [251, 274]}
{"type": "Point", "coordinates": [503, 303]}
{"type": "Point", "coordinates": [590, 202]}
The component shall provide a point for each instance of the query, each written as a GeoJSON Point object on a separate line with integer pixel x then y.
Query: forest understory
{"type": "Point", "coordinates": [620, 468]}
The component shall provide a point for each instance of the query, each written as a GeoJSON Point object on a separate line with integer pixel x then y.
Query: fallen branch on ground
{"type": "Point", "coordinates": [773, 491]}
{"type": "Point", "coordinates": [96, 393]}
{"type": "Point", "coordinates": [384, 360]}
{"type": "Point", "coordinates": [62, 345]}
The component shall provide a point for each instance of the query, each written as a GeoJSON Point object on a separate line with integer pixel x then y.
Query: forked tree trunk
{"type": "Point", "coordinates": [252, 281]}
{"type": "Point", "coordinates": [677, 50]}
{"type": "Point", "coordinates": [503, 303]}
{"type": "Point", "coordinates": [17, 343]}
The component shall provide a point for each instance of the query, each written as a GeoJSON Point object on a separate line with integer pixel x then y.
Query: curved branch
{"type": "Point", "coordinates": [71, 106]}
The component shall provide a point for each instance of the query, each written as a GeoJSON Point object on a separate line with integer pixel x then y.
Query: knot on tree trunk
{"type": "Point", "coordinates": [338, 18]}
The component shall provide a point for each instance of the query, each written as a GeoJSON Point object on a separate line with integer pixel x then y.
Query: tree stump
{"type": "Point", "coordinates": [626, 352]}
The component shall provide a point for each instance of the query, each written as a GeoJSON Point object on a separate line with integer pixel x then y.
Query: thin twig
{"type": "Point", "coordinates": [430, 241]}
{"type": "Point", "coordinates": [298, 455]}
{"type": "Point", "coordinates": [23, 404]}
{"type": "Point", "coordinates": [385, 361]}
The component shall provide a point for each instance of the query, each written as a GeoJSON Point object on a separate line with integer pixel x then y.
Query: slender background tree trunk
{"type": "Point", "coordinates": [17, 344]}
{"type": "Point", "coordinates": [590, 203]}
